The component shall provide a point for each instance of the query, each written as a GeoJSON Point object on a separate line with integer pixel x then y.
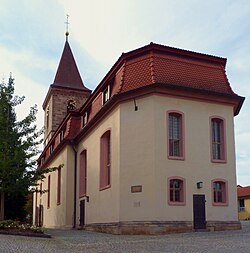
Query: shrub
{"type": "Point", "coordinates": [22, 226]}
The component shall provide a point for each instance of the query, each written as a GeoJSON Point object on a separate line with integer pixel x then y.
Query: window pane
{"type": "Point", "coordinates": [174, 129]}
{"type": "Point", "coordinates": [219, 196]}
{"type": "Point", "coordinates": [177, 196]}
{"type": "Point", "coordinates": [217, 139]}
{"type": "Point", "coordinates": [176, 190]}
{"type": "Point", "coordinates": [219, 192]}
{"type": "Point", "coordinates": [171, 195]}
{"type": "Point", "coordinates": [105, 160]}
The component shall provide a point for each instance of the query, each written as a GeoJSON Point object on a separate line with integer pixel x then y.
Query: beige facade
{"type": "Point", "coordinates": [144, 141]}
{"type": "Point", "coordinates": [58, 214]}
{"type": "Point", "coordinates": [139, 198]}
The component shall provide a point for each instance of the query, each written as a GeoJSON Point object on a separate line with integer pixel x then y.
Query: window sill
{"type": "Point", "coordinates": [220, 204]}
{"type": "Point", "coordinates": [180, 158]}
{"type": "Point", "coordinates": [105, 187]}
{"type": "Point", "coordinates": [170, 203]}
{"type": "Point", "coordinates": [218, 161]}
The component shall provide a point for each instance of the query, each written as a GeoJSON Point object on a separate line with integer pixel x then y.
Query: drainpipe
{"type": "Point", "coordinates": [75, 173]}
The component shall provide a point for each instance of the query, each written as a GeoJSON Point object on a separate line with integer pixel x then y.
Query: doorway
{"type": "Point", "coordinates": [82, 213]}
{"type": "Point", "coordinates": [199, 211]}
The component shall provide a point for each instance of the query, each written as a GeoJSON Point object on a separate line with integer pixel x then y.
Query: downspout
{"type": "Point", "coordinates": [75, 174]}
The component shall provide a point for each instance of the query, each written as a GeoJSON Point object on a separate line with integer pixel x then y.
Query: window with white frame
{"type": "Point", "coordinates": [84, 119]}
{"type": "Point", "coordinates": [106, 95]}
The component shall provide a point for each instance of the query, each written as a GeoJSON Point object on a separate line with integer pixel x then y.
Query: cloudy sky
{"type": "Point", "coordinates": [32, 39]}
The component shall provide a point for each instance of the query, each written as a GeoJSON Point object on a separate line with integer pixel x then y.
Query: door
{"type": "Point", "coordinates": [82, 213]}
{"type": "Point", "coordinates": [199, 211]}
{"type": "Point", "coordinates": [40, 216]}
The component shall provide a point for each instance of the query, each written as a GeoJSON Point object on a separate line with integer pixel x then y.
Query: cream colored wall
{"type": "Point", "coordinates": [59, 215]}
{"type": "Point", "coordinates": [144, 159]}
{"type": "Point", "coordinates": [103, 206]}
{"type": "Point", "coordinates": [138, 161]}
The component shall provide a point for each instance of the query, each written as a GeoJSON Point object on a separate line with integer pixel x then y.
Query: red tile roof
{"type": "Point", "coordinates": [67, 75]}
{"type": "Point", "coordinates": [170, 66]}
{"type": "Point", "coordinates": [243, 191]}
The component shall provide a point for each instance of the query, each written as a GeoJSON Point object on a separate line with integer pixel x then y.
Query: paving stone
{"type": "Point", "coordinates": [90, 242]}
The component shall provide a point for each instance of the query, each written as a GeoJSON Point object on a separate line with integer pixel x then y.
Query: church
{"type": "Point", "coordinates": [150, 151]}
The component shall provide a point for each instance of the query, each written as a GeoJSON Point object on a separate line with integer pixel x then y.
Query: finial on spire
{"type": "Point", "coordinates": [67, 27]}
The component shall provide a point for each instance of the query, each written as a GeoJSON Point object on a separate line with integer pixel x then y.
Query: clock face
{"type": "Point", "coordinates": [71, 104]}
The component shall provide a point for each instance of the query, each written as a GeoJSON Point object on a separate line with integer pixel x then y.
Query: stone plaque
{"type": "Point", "coordinates": [136, 188]}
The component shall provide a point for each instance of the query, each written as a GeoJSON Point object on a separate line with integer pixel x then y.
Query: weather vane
{"type": "Point", "coordinates": [67, 26]}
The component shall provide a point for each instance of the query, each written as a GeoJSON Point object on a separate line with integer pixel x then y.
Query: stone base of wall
{"type": "Point", "coordinates": [142, 228]}
{"type": "Point", "coordinates": [223, 225]}
{"type": "Point", "coordinates": [157, 227]}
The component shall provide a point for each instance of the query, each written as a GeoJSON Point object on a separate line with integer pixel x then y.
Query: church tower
{"type": "Point", "coordinates": [66, 93]}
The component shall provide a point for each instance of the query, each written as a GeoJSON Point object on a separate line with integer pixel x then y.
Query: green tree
{"type": "Point", "coordinates": [19, 147]}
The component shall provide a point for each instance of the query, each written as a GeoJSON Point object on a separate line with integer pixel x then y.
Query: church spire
{"type": "Point", "coordinates": [67, 75]}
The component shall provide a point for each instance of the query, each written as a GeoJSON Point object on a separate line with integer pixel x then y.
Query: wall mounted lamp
{"type": "Point", "coordinates": [136, 107]}
{"type": "Point", "coordinates": [199, 185]}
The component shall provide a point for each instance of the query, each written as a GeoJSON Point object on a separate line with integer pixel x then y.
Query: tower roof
{"type": "Point", "coordinates": [67, 75]}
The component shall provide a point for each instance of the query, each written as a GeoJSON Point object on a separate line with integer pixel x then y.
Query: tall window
{"type": "Point", "coordinates": [84, 119]}
{"type": "Point", "coordinates": [175, 135]}
{"type": "Point", "coordinates": [47, 118]}
{"type": "Point", "coordinates": [83, 174]}
{"type": "Point", "coordinates": [105, 163]}
{"type": "Point", "coordinates": [176, 191]}
{"type": "Point", "coordinates": [41, 189]}
{"type": "Point", "coordinates": [48, 200]}
{"type": "Point", "coordinates": [106, 95]}
{"type": "Point", "coordinates": [219, 192]}
{"type": "Point", "coordinates": [61, 135]}
{"type": "Point", "coordinates": [218, 146]}
{"type": "Point", "coordinates": [59, 172]}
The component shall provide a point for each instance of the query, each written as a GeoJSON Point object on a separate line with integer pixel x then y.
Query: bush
{"type": "Point", "coordinates": [21, 226]}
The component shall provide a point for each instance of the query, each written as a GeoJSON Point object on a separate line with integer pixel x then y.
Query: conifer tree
{"type": "Point", "coordinates": [19, 147]}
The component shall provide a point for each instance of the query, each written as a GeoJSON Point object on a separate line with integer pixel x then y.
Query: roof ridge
{"type": "Point", "coordinates": [152, 70]}
{"type": "Point", "coordinates": [122, 77]}
{"type": "Point", "coordinates": [189, 53]}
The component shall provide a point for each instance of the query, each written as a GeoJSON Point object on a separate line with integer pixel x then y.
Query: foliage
{"type": "Point", "coordinates": [19, 147]}
{"type": "Point", "coordinates": [21, 226]}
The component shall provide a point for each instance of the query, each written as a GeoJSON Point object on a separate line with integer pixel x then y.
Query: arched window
{"type": "Point", "coordinates": [47, 118]}
{"type": "Point", "coordinates": [217, 139]}
{"type": "Point", "coordinates": [219, 192]}
{"type": "Point", "coordinates": [176, 191]}
{"type": "Point", "coordinates": [105, 163]}
{"type": "Point", "coordinates": [59, 175]}
{"type": "Point", "coordinates": [48, 199]}
{"type": "Point", "coordinates": [175, 135]}
{"type": "Point", "coordinates": [83, 174]}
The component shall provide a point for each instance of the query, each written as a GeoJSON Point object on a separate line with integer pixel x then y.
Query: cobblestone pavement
{"type": "Point", "coordinates": [82, 241]}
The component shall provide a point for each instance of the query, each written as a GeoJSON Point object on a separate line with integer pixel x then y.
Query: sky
{"type": "Point", "coordinates": [32, 37]}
